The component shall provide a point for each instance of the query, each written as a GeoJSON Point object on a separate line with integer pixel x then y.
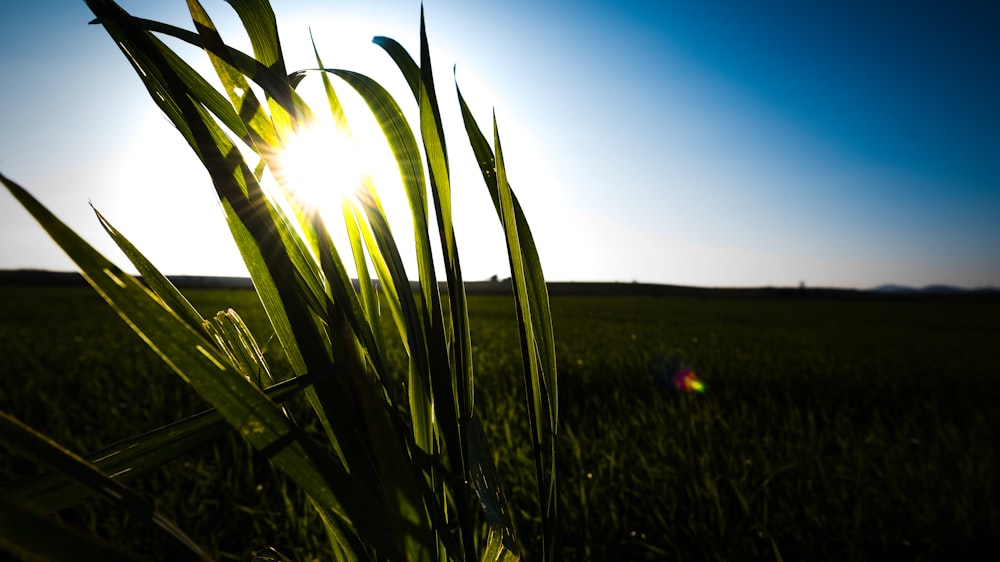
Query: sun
{"type": "Point", "coordinates": [321, 165]}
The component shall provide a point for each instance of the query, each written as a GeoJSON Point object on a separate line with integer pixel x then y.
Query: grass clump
{"type": "Point", "coordinates": [393, 463]}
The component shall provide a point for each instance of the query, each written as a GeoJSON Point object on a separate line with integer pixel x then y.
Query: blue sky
{"type": "Point", "coordinates": [843, 144]}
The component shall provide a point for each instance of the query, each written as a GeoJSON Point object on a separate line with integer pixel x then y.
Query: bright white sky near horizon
{"type": "Point", "coordinates": [841, 144]}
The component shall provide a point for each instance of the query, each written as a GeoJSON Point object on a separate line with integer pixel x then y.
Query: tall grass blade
{"type": "Point", "coordinates": [450, 365]}
{"type": "Point", "coordinates": [158, 283]}
{"type": "Point", "coordinates": [534, 319]}
{"type": "Point", "coordinates": [532, 355]}
{"type": "Point", "coordinates": [262, 28]}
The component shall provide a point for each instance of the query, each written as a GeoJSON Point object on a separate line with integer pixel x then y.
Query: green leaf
{"type": "Point", "coordinates": [532, 298]}
{"type": "Point", "coordinates": [534, 320]}
{"type": "Point", "coordinates": [262, 28]}
{"type": "Point", "coordinates": [259, 23]}
{"type": "Point", "coordinates": [242, 98]}
{"type": "Point", "coordinates": [158, 283]}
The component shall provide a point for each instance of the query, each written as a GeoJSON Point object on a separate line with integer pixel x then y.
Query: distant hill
{"type": "Point", "coordinates": [34, 277]}
{"type": "Point", "coordinates": [929, 289]}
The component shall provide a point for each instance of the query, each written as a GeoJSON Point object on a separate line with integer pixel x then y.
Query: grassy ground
{"type": "Point", "coordinates": [831, 429]}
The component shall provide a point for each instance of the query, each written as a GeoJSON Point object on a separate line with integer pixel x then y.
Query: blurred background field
{"type": "Point", "coordinates": [832, 428]}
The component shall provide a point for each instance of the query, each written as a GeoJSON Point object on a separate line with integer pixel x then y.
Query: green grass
{"type": "Point", "coordinates": [838, 429]}
{"type": "Point", "coordinates": [393, 459]}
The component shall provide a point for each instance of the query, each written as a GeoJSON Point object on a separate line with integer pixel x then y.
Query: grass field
{"type": "Point", "coordinates": [832, 429]}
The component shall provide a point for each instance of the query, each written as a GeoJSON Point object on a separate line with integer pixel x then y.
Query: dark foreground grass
{"type": "Point", "coordinates": [831, 429]}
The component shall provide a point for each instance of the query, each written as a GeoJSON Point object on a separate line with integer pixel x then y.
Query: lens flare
{"type": "Point", "coordinates": [676, 376]}
{"type": "Point", "coordinates": [686, 381]}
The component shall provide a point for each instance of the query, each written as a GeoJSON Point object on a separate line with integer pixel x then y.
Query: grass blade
{"type": "Point", "coordinates": [158, 283]}
{"type": "Point", "coordinates": [534, 319]}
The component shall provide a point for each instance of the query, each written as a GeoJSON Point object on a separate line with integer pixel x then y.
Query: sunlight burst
{"type": "Point", "coordinates": [321, 165]}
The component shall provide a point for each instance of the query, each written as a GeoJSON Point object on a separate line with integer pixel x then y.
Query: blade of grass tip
{"type": "Point", "coordinates": [333, 101]}
{"type": "Point", "coordinates": [406, 64]}
{"type": "Point", "coordinates": [538, 292]}
{"type": "Point", "coordinates": [262, 28]}
{"type": "Point", "coordinates": [158, 283]}
{"type": "Point", "coordinates": [26, 532]}
{"type": "Point", "coordinates": [242, 98]}
{"type": "Point", "coordinates": [777, 553]}
{"type": "Point", "coordinates": [20, 437]}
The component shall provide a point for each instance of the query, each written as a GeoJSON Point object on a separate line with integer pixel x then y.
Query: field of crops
{"type": "Point", "coordinates": [832, 429]}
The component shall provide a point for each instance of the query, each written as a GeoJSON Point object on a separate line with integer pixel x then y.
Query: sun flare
{"type": "Point", "coordinates": [321, 165]}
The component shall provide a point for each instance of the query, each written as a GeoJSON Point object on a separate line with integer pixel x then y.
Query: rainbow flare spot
{"type": "Point", "coordinates": [673, 375]}
{"type": "Point", "coordinates": [686, 381]}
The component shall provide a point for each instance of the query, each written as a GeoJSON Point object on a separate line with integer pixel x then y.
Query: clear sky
{"type": "Point", "coordinates": [845, 144]}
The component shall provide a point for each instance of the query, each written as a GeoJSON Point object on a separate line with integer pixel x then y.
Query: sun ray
{"type": "Point", "coordinates": [320, 165]}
